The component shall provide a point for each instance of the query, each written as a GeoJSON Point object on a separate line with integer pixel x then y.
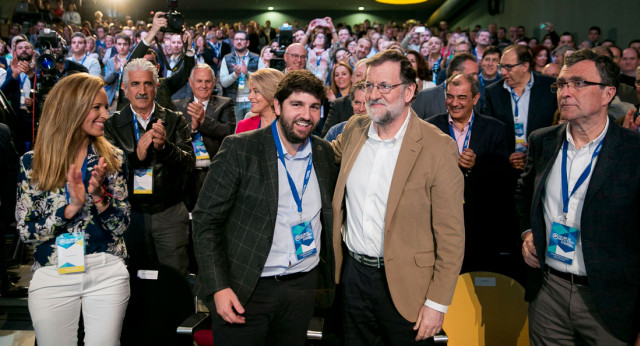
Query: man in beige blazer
{"type": "Point", "coordinates": [398, 202]}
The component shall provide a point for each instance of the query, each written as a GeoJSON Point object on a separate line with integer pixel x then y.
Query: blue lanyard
{"type": "Point", "coordinates": [307, 173]}
{"type": "Point", "coordinates": [83, 59]}
{"type": "Point", "coordinates": [23, 79]}
{"type": "Point", "coordinates": [465, 144]}
{"type": "Point", "coordinates": [136, 128]}
{"type": "Point", "coordinates": [581, 179]}
{"type": "Point", "coordinates": [517, 98]}
{"type": "Point", "coordinates": [84, 175]}
{"type": "Point", "coordinates": [436, 69]}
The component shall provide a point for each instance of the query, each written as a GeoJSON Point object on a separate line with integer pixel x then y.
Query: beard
{"type": "Point", "coordinates": [290, 133]}
{"type": "Point", "coordinates": [386, 115]}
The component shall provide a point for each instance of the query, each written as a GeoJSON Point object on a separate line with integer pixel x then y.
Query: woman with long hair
{"type": "Point", "coordinates": [262, 89]}
{"type": "Point", "coordinates": [423, 80]}
{"type": "Point", "coordinates": [200, 44]}
{"type": "Point", "coordinates": [541, 57]}
{"type": "Point", "coordinates": [318, 56]}
{"type": "Point", "coordinates": [266, 55]}
{"type": "Point", "coordinates": [340, 81]}
{"type": "Point", "coordinates": [72, 205]}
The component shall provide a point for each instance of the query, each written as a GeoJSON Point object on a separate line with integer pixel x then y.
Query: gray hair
{"type": "Point", "coordinates": [139, 65]}
{"type": "Point", "coordinates": [204, 67]}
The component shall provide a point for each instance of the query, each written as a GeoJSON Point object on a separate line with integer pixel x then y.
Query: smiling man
{"type": "Point", "coordinates": [398, 202]}
{"type": "Point", "coordinates": [157, 145]}
{"type": "Point", "coordinates": [210, 118]}
{"type": "Point", "coordinates": [262, 225]}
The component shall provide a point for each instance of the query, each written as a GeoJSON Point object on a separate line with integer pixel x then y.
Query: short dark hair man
{"type": "Point", "coordinates": [157, 145]}
{"type": "Point", "coordinates": [234, 73]}
{"type": "Point", "coordinates": [210, 118]}
{"type": "Point", "coordinates": [431, 101]}
{"type": "Point", "coordinates": [577, 201]}
{"type": "Point", "coordinates": [484, 158]}
{"type": "Point", "coordinates": [404, 256]}
{"type": "Point", "coordinates": [262, 225]}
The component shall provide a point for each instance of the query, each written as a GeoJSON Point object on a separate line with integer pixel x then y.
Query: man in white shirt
{"type": "Point", "coordinates": [402, 193]}
{"type": "Point", "coordinates": [79, 54]}
{"type": "Point", "coordinates": [578, 205]}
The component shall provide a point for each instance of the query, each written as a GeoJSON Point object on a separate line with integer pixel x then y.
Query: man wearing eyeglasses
{"type": "Point", "coordinates": [521, 100]}
{"type": "Point", "coordinates": [398, 201]}
{"type": "Point", "coordinates": [234, 74]}
{"type": "Point", "coordinates": [295, 57]}
{"type": "Point", "coordinates": [578, 203]}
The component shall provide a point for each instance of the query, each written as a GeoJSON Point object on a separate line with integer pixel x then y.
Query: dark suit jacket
{"type": "Point", "coordinates": [169, 164]}
{"type": "Point", "coordinates": [219, 120]}
{"type": "Point", "coordinates": [339, 111]}
{"type": "Point", "coordinates": [8, 177]}
{"type": "Point", "coordinates": [542, 106]}
{"type": "Point", "coordinates": [430, 102]}
{"type": "Point", "coordinates": [235, 216]}
{"type": "Point", "coordinates": [488, 204]}
{"type": "Point", "coordinates": [610, 222]}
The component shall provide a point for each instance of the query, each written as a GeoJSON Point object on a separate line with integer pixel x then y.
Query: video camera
{"type": "Point", "coordinates": [285, 38]}
{"type": "Point", "coordinates": [53, 49]}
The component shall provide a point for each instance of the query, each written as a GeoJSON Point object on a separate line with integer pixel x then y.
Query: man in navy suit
{"type": "Point", "coordinates": [483, 158]}
{"type": "Point", "coordinates": [578, 203]}
{"type": "Point", "coordinates": [521, 100]}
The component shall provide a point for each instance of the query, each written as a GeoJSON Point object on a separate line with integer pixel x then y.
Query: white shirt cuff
{"type": "Point", "coordinates": [144, 40]}
{"type": "Point", "coordinates": [436, 306]}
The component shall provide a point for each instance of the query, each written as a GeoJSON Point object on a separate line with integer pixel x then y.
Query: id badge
{"type": "Point", "coordinates": [143, 181]}
{"type": "Point", "coordinates": [519, 129]}
{"type": "Point", "coordinates": [520, 148]}
{"type": "Point", "coordinates": [70, 252]}
{"type": "Point", "coordinates": [199, 148]}
{"type": "Point", "coordinates": [303, 240]}
{"type": "Point", "coordinates": [562, 243]}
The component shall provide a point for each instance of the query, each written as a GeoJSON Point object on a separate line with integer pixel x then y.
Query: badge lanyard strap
{"type": "Point", "coordinates": [436, 68]}
{"type": "Point", "coordinates": [517, 98]}
{"type": "Point", "coordinates": [581, 179]}
{"type": "Point", "coordinates": [136, 128]}
{"type": "Point", "coordinates": [307, 174]}
{"type": "Point", "coordinates": [465, 144]}
{"type": "Point", "coordinates": [84, 174]}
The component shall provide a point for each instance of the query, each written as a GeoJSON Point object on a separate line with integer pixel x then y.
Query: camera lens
{"type": "Point", "coordinates": [46, 62]}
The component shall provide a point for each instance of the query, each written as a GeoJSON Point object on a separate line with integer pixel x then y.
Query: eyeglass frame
{"type": "Point", "coordinates": [368, 87]}
{"type": "Point", "coordinates": [585, 83]}
{"type": "Point", "coordinates": [297, 56]}
{"type": "Point", "coordinates": [509, 67]}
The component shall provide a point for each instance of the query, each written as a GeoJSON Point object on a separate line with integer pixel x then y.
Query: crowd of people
{"type": "Point", "coordinates": [444, 152]}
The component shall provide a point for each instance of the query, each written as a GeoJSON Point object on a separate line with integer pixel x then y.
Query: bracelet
{"type": "Point", "coordinates": [103, 201]}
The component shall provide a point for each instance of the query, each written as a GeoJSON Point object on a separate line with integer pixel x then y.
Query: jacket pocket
{"type": "Point", "coordinates": [425, 259]}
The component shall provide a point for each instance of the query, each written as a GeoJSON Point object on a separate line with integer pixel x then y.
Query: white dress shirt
{"type": "Point", "coordinates": [523, 104]}
{"type": "Point", "coordinates": [577, 161]}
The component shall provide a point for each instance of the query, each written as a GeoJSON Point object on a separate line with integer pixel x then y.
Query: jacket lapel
{"type": "Point", "coordinates": [606, 163]}
{"type": "Point", "coordinates": [409, 152]}
{"type": "Point", "coordinates": [269, 167]}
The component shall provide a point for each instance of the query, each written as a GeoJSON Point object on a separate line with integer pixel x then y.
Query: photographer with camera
{"type": "Point", "coordinates": [29, 81]}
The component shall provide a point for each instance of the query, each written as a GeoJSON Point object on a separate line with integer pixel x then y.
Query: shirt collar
{"type": "Point", "coordinates": [139, 117]}
{"type": "Point", "coordinates": [373, 132]}
{"type": "Point", "coordinates": [452, 123]}
{"type": "Point", "coordinates": [303, 153]}
{"type": "Point", "coordinates": [591, 145]}
{"type": "Point", "coordinates": [205, 103]}
{"type": "Point", "coordinates": [526, 88]}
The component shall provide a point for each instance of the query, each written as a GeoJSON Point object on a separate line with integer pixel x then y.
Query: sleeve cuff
{"type": "Point", "coordinates": [523, 233]}
{"type": "Point", "coordinates": [435, 306]}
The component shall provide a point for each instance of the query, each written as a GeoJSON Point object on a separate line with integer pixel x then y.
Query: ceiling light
{"type": "Point", "coordinates": [360, 8]}
{"type": "Point", "coordinates": [401, 2]}
{"type": "Point", "coordinates": [270, 8]}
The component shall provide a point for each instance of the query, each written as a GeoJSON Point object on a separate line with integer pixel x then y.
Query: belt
{"type": "Point", "coordinates": [286, 277]}
{"type": "Point", "coordinates": [574, 279]}
{"type": "Point", "coordinates": [367, 260]}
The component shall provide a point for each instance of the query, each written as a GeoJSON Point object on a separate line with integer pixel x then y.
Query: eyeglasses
{"type": "Point", "coordinates": [298, 57]}
{"type": "Point", "coordinates": [575, 84]}
{"type": "Point", "coordinates": [382, 88]}
{"type": "Point", "coordinates": [239, 39]}
{"type": "Point", "coordinates": [508, 67]}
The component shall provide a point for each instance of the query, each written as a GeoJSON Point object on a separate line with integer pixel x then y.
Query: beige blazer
{"type": "Point", "coordinates": [424, 223]}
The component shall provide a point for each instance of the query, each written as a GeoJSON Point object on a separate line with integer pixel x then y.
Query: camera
{"type": "Point", "coordinates": [175, 21]}
{"type": "Point", "coordinates": [285, 38]}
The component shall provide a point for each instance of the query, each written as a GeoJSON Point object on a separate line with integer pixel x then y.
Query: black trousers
{"type": "Point", "coordinates": [370, 318]}
{"type": "Point", "coordinates": [278, 313]}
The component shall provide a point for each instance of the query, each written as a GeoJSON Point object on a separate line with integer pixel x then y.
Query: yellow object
{"type": "Point", "coordinates": [488, 309]}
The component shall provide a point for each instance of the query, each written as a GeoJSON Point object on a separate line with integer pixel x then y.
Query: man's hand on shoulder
{"type": "Point", "coordinates": [429, 323]}
{"type": "Point", "coordinates": [228, 306]}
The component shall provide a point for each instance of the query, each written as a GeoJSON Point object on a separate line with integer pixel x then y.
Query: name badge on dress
{"type": "Point", "coordinates": [562, 243]}
{"type": "Point", "coordinates": [303, 240]}
{"type": "Point", "coordinates": [70, 252]}
{"type": "Point", "coordinates": [143, 181]}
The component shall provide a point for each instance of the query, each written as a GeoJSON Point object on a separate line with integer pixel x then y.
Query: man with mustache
{"type": "Point", "coordinates": [262, 224]}
{"type": "Point", "coordinates": [157, 144]}
{"type": "Point", "coordinates": [398, 201]}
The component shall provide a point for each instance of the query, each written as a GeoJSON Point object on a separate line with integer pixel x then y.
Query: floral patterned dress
{"type": "Point", "coordinates": [40, 214]}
